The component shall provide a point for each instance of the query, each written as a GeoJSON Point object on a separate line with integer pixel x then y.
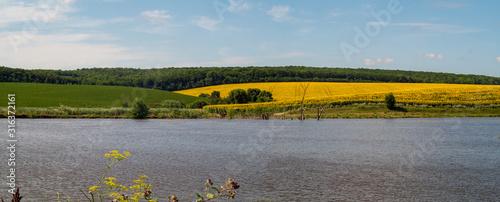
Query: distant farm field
{"type": "Point", "coordinates": [51, 95]}
{"type": "Point", "coordinates": [321, 93]}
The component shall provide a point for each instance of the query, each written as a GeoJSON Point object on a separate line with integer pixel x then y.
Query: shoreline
{"type": "Point", "coordinates": [353, 111]}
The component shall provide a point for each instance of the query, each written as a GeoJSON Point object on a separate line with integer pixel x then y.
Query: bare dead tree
{"type": "Point", "coordinates": [302, 117]}
{"type": "Point", "coordinates": [320, 112]}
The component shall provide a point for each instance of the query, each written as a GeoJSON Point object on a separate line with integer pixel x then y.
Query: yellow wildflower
{"type": "Point", "coordinates": [94, 188]}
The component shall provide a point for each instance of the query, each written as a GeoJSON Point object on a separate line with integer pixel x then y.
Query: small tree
{"type": "Point", "coordinates": [238, 96]}
{"type": "Point", "coordinates": [390, 101]}
{"type": "Point", "coordinates": [198, 104]}
{"type": "Point", "coordinates": [215, 97]}
{"type": "Point", "coordinates": [204, 95]}
{"type": "Point", "coordinates": [264, 96]}
{"type": "Point", "coordinates": [139, 109]}
{"type": "Point", "coordinates": [215, 94]}
{"type": "Point", "coordinates": [252, 94]}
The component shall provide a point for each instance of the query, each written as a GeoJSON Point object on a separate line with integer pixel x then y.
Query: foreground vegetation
{"type": "Point", "coordinates": [173, 79]}
{"type": "Point", "coordinates": [108, 189]}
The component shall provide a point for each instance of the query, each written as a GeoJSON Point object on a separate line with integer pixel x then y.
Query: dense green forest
{"type": "Point", "coordinates": [184, 78]}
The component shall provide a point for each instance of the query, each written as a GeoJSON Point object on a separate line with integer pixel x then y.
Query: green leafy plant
{"type": "Point", "coordinates": [252, 94]}
{"type": "Point", "coordinates": [139, 109]}
{"type": "Point", "coordinates": [264, 96]}
{"type": "Point", "coordinates": [198, 104]}
{"type": "Point", "coordinates": [238, 96]}
{"type": "Point", "coordinates": [204, 95]}
{"type": "Point", "coordinates": [390, 101]}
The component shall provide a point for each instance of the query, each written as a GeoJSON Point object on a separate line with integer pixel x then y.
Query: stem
{"type": "Point", "coordinates": [85, 194]}
{"type": "Point", "coordinates": [102, 178]}
{"type": "Point", "coordinates": [219, 194]}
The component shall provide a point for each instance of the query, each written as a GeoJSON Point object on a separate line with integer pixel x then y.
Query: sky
{"type": "Point", "coordinates": [460, 36]}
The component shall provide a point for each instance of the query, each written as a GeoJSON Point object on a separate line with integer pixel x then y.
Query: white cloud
{"type": "Point", "coordinates": [65, 51]}
{"type": "Point", "coordinates": [450, 5]}
{"type": "Point", "coordinates": [431, 56]}
{"type": "Point", "coordinates": [370, 62]}
{"type": "Point", "coordinates": [498, 59]}
{"type": "Point", "coordinates": [156, 16]}
{"type": "Point", "coordinates": [206, 23]}
{"type": "Point", "coordinates": [279, 13]}
{"type": "Point", "coordinates": [43, 12]}
{"type": "Point", "coordinates": [238, 5]}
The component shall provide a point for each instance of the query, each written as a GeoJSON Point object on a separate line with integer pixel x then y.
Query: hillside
{"type": "Point", "coordinates": [173, 79]}
{"type": "Point", "coordinates": [50, 95]}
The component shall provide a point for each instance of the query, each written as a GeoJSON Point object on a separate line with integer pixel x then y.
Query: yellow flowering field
{"type": "Point", "coordinates": [320, 93]}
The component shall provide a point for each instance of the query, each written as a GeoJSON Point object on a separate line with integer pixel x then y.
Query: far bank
{"type": "Point", "coordinates": [352, 111]}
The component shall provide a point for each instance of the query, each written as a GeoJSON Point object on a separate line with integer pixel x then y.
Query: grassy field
{"type": "Point", "coordinates": [324, 93]}
{"type": "Point", "coordinates": [82, 96]}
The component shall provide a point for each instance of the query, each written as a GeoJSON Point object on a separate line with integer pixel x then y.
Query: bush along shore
{"type": "Point", "coordinates": [333, 111]}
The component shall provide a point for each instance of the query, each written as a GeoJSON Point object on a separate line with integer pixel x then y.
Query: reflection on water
{"type": "Point", "coordinates": [393, 159]}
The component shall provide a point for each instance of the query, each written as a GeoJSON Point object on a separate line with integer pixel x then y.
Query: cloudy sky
{"type": "Point", "coordinates": [443, 36]}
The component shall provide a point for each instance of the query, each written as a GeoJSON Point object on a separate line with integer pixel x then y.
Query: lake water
{"type": "Point", "coordinates": [455, 159]}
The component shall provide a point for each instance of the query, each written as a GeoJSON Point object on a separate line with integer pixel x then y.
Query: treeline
{"type": "Point", "coordinates": [172, 79]}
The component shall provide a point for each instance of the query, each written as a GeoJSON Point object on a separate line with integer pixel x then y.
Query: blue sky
{"type": "Point", "coordinates": [442, 36]}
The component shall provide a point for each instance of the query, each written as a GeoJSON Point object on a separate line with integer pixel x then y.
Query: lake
{"type": "Point", "coordinates": [448, 159]}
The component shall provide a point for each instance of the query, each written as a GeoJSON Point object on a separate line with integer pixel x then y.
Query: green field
{"type": "Point", "coordinates": [52, 95]}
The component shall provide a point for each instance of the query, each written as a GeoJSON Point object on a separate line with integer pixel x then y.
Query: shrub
{"type": "Point", "coordinates": [205, 95]}
{"type": "Point", "coordinates": [215, 98]}
{"type": "Point", "coordinates": [139, 109]}
{"type": "Point", "coordinates": [390, 101]}
{"type": "Point", "coordinates": [264, 96]}
{"type": "Point", "coordinates": [252, 94]}
{"type": "Point", "coordinates": [238, 96]}
{"type": "Point", "coordinates": [215, 101]}
{"type": "Point", "coordinates": [172, 104]}
{"type": "Point", "coordinates": [198, 104]}
{"type": "Point", "coordinates": [215, 94]}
